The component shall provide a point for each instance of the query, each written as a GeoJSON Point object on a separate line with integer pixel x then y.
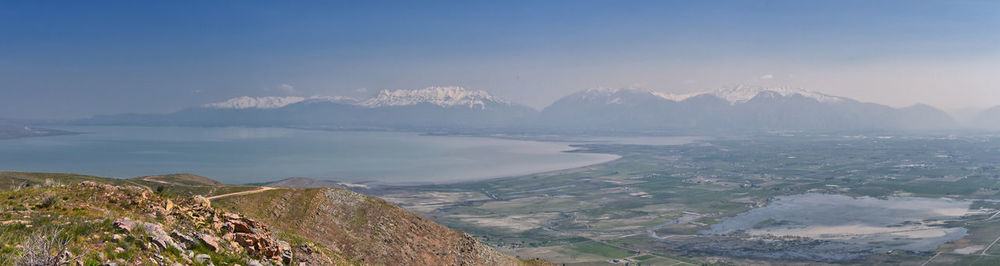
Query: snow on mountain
{"type": "Point", "coordinates": [271, 102]}
{"type": "Point", "coordinates": [622, 95]}
{"type": "Point", "coordinates": [332, 99]}
{"type": "Point", "coordinates": [675, 97]}
{"type": "Point", "coordinates": [247, 102]}
{"type": "Point", "coordinates": [734, 95]}
{"type": "Point", "coordinates": [440, 96]}
{"type": "Point", "coordinates": [608, 95]}
{"type": "Point", "coordinates": [742, 94]}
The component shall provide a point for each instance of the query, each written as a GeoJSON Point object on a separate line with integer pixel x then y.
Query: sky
{"type": "Point", "coordinates": [73, 59]}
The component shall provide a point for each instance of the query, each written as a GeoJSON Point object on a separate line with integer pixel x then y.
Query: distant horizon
{"type": "Point", "coordinates": [373, 93]}
{"type": "Point", "coordinates": [77, 59]}
{"type": "Point", "coordinates": [959, 113]}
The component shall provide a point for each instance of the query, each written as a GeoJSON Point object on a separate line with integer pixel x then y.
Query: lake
{"type": "Point", "coordinates": [246, 155]}
{"type": "Point", "coordinates": [893, 223]}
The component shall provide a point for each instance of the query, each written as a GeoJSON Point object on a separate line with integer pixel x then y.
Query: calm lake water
{"type": "Point", "coordinates": [893, 223]}
{"type": "Point", "coordinates": [246, 155]}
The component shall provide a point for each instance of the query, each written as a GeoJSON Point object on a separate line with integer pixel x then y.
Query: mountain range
{"type": "Point", "coordinates": [739, 108]}
{"type": "Point", "coordinates": [736, 109]}
{"type": "Point", "coordinates": [429, 108]}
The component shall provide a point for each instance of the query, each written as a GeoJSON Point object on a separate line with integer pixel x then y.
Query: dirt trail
{"type": "Point", "coordinates": [259, 190]}
{"type": "Point", "coordinates": [151, 179]}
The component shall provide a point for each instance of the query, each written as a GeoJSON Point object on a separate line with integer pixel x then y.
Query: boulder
{"type": "Point", "coordinates": [202, 258]}
{"type": "Point", "coordinates": [286, 252]}
{"type": "Point", "coordinates": [202, 202]}
{"type": "Point", "coordinates": [240, 224]}
{"type": "Point", "coordinates": [255, 238]}
{"type": "Point", "coordinates": [154, 231]}
{"type": "Point", "coordinates": [209, 240]}
{"type": "Point", "coordinates": [188, 241]}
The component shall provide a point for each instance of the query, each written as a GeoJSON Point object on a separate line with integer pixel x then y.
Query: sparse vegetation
{"type": "Point", "coordinates": [45, 247]}
{"type": "Point", "coordinates": [617, 202]}
{"type": "Point", "coordinates": [129, 223]}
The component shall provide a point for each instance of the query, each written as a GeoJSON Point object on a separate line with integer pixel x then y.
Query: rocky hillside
{"type": "Point", "coordinates": [56, 219]}
{"type": "Point", "coordinates": [363, 228]}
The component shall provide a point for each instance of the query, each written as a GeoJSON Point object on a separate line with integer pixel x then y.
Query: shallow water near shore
{"type": "Point", "coordinates": [238, 155]}
{"type": "Point", "coordinates": [894, 223]}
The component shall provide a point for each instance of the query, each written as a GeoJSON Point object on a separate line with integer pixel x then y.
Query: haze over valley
{"type": "Point", "coordinates": [592, 111]}
{"type": "Point", "coordinates": [584, 132]}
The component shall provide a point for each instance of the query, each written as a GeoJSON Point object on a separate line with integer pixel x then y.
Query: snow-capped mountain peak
{"type": "Point", "coordinates": [247, 102]}
{"type": "Point", "coordinates": [440, 96]}
{"type": "Point", "coordinates": [615, 96]}
{"type": "Point", "coordinates": [272, 102]}
{"type": "Point", "coordinates": [735, 95]}
{"type": "Point", "coordinates": [332, 99]}
{"type": "Point", "coordinates": [742, 94]}
{"type": "Point", "coordinates": [674, 97]}
{"type": "Point", "coordinates": [607, 94]}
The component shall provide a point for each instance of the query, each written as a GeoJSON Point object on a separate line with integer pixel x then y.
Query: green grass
{"type": "Point", "coordinates": [54, 202]}
{"type": "Point", "coordinates": [597, 248]}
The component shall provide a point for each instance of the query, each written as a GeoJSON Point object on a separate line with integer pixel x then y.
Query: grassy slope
{"type": "Point", "coordinates": [181, 179]}
{"type": "Point", "coordinates": [365, 228]}
{"type": "Point", "coordinates": [83, 216]}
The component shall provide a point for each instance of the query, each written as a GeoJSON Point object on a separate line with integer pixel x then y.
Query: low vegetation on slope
{"type": "Point", "coordinates": [54, 219]}
{"type": "Point", "coordinates": [181, 179]}
{"type": "Point", "coordinates": [364, 228]}
{"type": "Point", "coordinates": [93, 223]}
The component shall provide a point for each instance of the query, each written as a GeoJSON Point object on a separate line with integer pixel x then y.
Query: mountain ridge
{"type": "Point", "coordinates": [740, 108]}
{"type": "Point", "coordinates": [169, 219]}
{"type": "Point", "coordinates": [736, 109]}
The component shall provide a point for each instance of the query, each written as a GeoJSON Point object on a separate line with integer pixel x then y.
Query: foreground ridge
{"type": "Point", "coordinates": [163, 220]}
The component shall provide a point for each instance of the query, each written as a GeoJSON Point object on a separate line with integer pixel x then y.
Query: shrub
{"type": "Point", "coordinates": [44, 247]}
{"type": "Point", "coordinates": [49, 201]}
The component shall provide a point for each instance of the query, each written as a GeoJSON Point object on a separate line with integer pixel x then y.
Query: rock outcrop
{"type": "Point", "coordinates": [367, 229]}
{"type": "Point", "coordinates": [124, 222]}
{"type": "Point", "coordinates": [194, 223]}
{"type": "Point", "coordinates": [255, 238]}
{"type": "Point", "coordinates": [153, 231]}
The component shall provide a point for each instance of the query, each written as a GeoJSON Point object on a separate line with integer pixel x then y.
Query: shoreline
{"type": "Point", "coordinates": [427, 160]}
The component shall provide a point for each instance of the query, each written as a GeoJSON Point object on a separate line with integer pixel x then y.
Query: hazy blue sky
{"type": "Point", "coordinates": [78, 58]}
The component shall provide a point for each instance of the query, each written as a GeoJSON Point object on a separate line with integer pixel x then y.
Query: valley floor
{"type": "Point", "coordinates": [656, 204]}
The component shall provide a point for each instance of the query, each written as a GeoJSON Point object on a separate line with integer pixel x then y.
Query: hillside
{"type": "Point", "coordinates": [302, 182]}
{"type": "Point", "coordinates": [181, 179]}
{"type": "Point", "coordinates": [364, 228]}
{"type": "Point", "coordinates": [988, 119]}
{"type": "Point", "coordinates": [152, 220]}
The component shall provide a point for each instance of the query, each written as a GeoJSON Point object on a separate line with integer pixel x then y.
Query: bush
{"type": "Point", "coordinates": [44, 247]}
{"type": "Point", "coordinates": [49, 201]}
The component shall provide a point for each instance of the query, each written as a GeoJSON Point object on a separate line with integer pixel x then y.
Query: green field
{"type": "Point", "coordinates": [651, 187]}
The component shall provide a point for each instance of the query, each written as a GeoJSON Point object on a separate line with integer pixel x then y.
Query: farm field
{"type": "Point", "coordinates": [916, 198]}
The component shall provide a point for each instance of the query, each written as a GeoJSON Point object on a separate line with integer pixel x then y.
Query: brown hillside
{"type": "Point", "coordinates": [364, 228]}
{"type": "Point", "coordinates": [181, 179]}
{"type": "Point", "coordinates": [302, 182]}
